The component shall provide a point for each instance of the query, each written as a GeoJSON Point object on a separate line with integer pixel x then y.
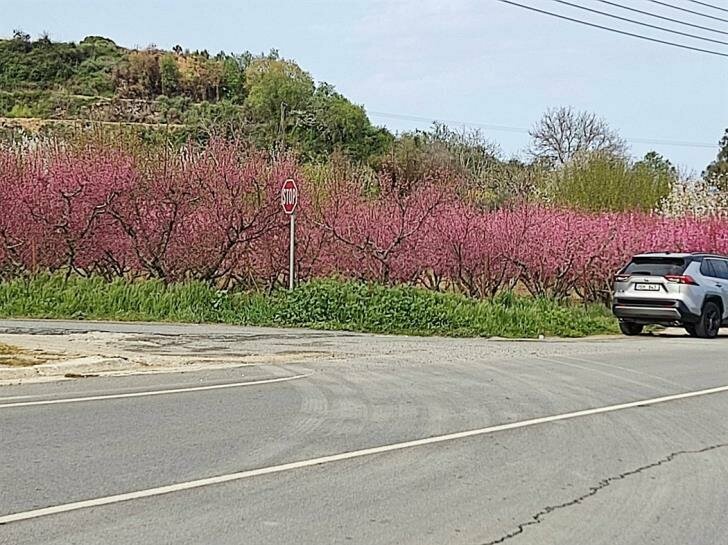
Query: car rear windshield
{"type": "Point", "coordinates": [656, 266]}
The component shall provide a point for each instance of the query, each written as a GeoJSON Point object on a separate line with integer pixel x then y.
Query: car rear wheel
{"type": "Point", "coordinates": [631, 328]}
{"type": "Point", "coordinates": [709, 323]}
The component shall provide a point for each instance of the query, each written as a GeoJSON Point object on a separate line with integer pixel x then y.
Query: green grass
{"type": "Point", "coordinates": [320, 304]}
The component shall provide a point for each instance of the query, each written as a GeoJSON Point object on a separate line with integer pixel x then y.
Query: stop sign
{"type": "Point", "coordinates": [289, 196]}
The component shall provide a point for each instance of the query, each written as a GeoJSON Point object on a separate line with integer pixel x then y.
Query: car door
{"type": "Point", "coordinates": [722, 271]}
{"type": "Point", "coordinates": [719, 278]}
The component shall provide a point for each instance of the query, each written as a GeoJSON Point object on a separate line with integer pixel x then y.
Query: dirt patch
{"type": "Point", "coordinates": [14, 356]}
{"type": "Point", "coordinates": [304, 354]}
{"type": "Point", "coordinates": [32, 357]}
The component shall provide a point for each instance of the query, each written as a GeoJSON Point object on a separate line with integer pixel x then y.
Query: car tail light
{"type": "Point", "coordinates": [621, 278]}
{"type": "Point", "coordinates": [681, 279]}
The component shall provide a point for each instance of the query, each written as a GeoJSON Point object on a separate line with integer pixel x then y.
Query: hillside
{"type": "Point", "coordinates": [63, 89]}
{"type": "Point", "coordinates": [264, 98]}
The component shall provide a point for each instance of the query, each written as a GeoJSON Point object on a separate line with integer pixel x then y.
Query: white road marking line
{"type": "Point", "coordinates": [17, 397]}
{"type": "Point", "coordinates": [153, 393]}
{"type": "Point", "coordinates": [64, 395]}
{"type": "Point", "coordinates": [189, 485]}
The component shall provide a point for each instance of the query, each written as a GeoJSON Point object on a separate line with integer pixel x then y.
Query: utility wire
{"type": "Point", "coordinates": [688, 10]}
{"type": "Point", "coordinates": [708, 5]}
{"type": "Point", "coordinates": [405, 117]}
{"type": "Point", "coordinates": [610, 29]}
{"type": "Point", "coordinates": [521, 130]}
{"type": "Point", "coordinates": [628, 20]}
{"type": "Point", "coordinates": [678, 21]}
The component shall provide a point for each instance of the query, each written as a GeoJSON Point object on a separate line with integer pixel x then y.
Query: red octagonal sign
{"type": "Point", "coordinates": [289, 196]}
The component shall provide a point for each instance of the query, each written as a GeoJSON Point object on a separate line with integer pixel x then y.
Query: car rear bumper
{"type": "Point", "coordinates": [653, 312]}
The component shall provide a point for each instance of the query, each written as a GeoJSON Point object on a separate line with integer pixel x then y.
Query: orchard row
{"type": "Point", "coordinates": [213, 213]}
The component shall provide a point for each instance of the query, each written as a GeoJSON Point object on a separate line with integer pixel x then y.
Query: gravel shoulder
{"type": "Point", "coordinates": [63, 350]}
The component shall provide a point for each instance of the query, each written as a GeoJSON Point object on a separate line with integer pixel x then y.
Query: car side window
{"type": "Point", "coordinates": [706, 268]}
{"type": "Point", "coordinates": [721, 268]}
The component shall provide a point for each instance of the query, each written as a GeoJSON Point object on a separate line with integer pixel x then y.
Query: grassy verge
{"type": "Point", "coordinates": [321, 304]}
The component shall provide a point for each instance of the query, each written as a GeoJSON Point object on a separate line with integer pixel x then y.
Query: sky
{"type": "Point", "coordinates": [471, 63]}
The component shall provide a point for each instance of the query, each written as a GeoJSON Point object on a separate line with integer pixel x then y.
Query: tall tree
{"type": "Point", "coordinates": [273, 84]}
{"type": "Point", "coordinates": [169, 74]}
{"type": "Point", "coordinates": [656, 165]}
{"type": "Point", "coordinates": [563, 133]}
{"type": "Point", "coordinates": [139, 75]}
{"type": "Point", "coordinates": [279, 95]}
{"type": "Point", "coordinates": [333, 122]}
{"type": "Point", "coordinates": [717, 172]}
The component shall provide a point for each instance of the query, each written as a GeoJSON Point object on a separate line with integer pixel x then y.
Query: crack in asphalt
{"type": "Point", "coordinates": [538, 517]}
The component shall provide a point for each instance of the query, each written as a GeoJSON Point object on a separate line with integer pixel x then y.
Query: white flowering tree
{"type": "Point", "coordinates": [696, 198]}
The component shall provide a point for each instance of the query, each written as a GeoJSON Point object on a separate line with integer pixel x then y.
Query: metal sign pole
{"type": "Point", "coordinates": [289, 200]}
{"type": "Point", "coordinates": [292, 252]}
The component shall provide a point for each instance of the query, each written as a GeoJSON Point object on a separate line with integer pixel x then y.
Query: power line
{"type": "Point", "coordinates": [610, 29]}
{"type": "Point", "coordinates": [522, 130]}
{"type": "Point", "coordinates": [405, 117]}
{"type": "Point", "coordinates": [628, 20]}
{"type": "Point", "coordinates": [708, 5]}
{"type": "Point", "coordinates": [677, 143]}
{"type": "Point", "coordinates": [686, 10]}
{"type": "Point", "coordinates": [678, 21]}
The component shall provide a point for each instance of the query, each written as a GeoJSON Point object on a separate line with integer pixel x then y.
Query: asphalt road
{"type": "Point", "coordinates": [653, 471]}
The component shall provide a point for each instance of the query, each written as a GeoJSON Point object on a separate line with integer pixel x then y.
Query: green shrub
{"type": "Point", "coordinates": [600, 182]}
{"type": "Point", "coordinates": [20, 110]}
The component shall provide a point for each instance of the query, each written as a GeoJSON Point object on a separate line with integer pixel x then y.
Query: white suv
{"type": "Point", "coordinates": [686, 290]}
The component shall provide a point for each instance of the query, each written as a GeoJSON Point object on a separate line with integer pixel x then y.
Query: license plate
{"type": "Point", "coordinates": [647, 287]}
